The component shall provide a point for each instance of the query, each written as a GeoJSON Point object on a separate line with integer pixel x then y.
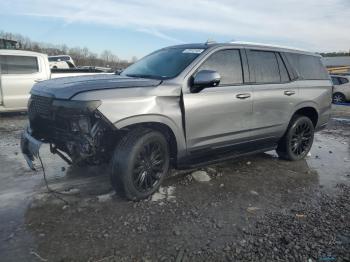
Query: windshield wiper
{"type": "Point", "coordinates": [144, 76]}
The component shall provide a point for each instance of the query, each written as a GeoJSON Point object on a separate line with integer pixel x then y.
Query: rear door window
{"type": "Point", "coordinates": [264, 67]}
{"type": "Point", "coordinates": [18, 64]}
{"type": "Point", "coordinates": [228, 64]}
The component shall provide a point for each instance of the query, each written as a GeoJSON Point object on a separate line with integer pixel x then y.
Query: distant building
{"type": "Point", "coordinates": [8, 44]}
{"type": "Point", "coordinates": [337, 64]}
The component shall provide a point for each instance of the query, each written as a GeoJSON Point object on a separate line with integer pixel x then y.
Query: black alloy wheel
{"type": "Point", "coordinates": [140, 163]}
{"type": "Point", "coordinates": [298, 139]}
{"type": "Point", "coordinates": [302, 137]}
{"type": "Point", "coordinates": [149, 166]}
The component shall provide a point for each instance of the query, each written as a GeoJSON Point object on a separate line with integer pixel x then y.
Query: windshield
{"type": "Point", "coordinates": [163, 64]}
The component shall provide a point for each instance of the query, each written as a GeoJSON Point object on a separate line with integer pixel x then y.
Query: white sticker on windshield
{"type": "Point", "coordinates": [193, 51]}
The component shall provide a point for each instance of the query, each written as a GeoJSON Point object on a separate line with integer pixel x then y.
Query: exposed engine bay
{"type": "Point", "coordinates": [73, 127]}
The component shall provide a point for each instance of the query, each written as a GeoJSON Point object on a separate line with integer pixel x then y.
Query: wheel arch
{"type": "Point", "coordinates": [308, 111]}
{"type": "Point", "coordinates": [159, 123]}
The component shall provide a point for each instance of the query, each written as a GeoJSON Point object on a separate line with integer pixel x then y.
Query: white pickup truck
{"type": "Point", "coordinates": [19, 71]}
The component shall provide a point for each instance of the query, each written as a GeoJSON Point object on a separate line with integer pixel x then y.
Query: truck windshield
{"type": "Point", "coordinates": [163, 64]}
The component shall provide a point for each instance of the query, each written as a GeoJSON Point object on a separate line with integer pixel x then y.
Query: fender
{"type": "Point", "coordinates": [156, 118]}
{"type": "Point", "coordinates": [308, 103]}
{"type": "Point", "coordinates": [323, 112]}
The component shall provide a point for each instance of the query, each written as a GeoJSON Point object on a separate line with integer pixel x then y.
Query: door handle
{"type": "Point", "coordinates": [289, 93]}
{"type": "Point", "coordinates": [243, 96]}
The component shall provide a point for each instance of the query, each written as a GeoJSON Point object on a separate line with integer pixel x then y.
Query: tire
{"type": "Point", "coordinates": [339, 98]}
{"type": "Point", "coordinates": [298, 139]}
{"type": "Point", "coordinates": [140, 163]}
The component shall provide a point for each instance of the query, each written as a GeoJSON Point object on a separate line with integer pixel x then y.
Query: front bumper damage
{"type": "Point", "coordinates": [30, 147]}
{"type": "Point", "coordinates": [76, 131]}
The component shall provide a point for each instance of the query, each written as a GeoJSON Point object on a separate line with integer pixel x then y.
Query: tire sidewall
{"type": "Point", "coordinates": [126, 167]}
{"type": "Point", "coordinates": [290, 132]}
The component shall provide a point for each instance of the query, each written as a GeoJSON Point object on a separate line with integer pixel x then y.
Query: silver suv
{"type": "Point", "coordinates": [182, 106]}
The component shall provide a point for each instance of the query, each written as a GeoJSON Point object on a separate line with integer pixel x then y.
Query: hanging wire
{"type": "Point", "coordinates": [50, 190]}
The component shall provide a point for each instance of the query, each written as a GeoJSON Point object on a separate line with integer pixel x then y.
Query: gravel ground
{"type": "Point", "coordinates": [257, 208]}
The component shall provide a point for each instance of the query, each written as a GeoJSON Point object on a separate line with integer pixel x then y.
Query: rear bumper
{"type": "Point", "coordinates": [30, 147]}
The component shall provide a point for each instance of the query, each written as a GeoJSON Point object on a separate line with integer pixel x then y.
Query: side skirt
{"type": "Point", "coordinates": [213, 157]}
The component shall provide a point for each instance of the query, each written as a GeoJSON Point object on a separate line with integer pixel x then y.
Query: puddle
{"type": "Point", "coordinates": [272, 180]}
{"type": "Point", "coordinates": [346, 120]}
{"type": "Point", "coordinates": [330, 157]}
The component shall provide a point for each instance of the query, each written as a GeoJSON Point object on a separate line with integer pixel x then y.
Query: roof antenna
{"type": "Point", "coordinates": [210, 41]}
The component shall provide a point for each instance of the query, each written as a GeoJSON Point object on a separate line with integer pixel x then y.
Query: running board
{"type": "Point", "coordinates": [188, 163]}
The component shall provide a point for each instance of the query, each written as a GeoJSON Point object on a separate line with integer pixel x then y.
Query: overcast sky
{"type": "Point", "coordinates": [136, 27]}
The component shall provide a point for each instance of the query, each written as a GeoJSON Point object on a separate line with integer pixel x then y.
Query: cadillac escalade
{"type": "Point", "coordinates": [182, 106]}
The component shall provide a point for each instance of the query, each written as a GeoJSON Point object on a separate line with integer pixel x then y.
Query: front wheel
{"type": "Point", "coordinates": [297, 141]}
{"type": "Point", "coordinates": [140, 163]}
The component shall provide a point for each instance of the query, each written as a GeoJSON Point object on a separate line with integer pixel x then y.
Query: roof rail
{"type": "Point", "coordinates": [266, 45]}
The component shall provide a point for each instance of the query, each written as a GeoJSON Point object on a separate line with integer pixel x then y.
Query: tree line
{"type": "Point", "coordinates": [81, 56]}
{"type": "Point", "coordinates": [332, 54]}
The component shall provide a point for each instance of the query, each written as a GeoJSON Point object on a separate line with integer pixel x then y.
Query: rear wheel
{"type": "Point", "coordinates": [140, 163]}
{"type": "Point", "coordinates": [297, 141]}
{"type": "Point", "coordinates": [338, 98]}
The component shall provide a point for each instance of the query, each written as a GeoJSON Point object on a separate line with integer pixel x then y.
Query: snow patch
{"type": "Point", "coordinates": [164, 193]}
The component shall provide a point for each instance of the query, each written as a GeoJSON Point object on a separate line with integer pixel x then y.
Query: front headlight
{"type": "Point", "coordinates": [77, 113]}
{"type": "Point", "coordinates": [81, 124]}
{"type": "Point", "coordinates": [76, 106]}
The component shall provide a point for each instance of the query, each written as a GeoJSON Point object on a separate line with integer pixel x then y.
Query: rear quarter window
{"type": "Point", "coordinates": [308, 67]}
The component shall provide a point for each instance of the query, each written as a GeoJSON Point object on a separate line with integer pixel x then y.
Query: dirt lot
{"type": "Point", "coordinates": [257, 208]}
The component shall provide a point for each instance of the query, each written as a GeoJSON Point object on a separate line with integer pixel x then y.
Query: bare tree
{"type": "Point", "coordinates": [81, 56]}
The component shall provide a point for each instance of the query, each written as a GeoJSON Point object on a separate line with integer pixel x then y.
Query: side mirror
{"type": "Point", "coordinates": [204, 79]}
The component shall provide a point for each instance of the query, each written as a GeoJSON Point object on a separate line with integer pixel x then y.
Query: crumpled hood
{"type": "Point", "coordinates": [67, 87]}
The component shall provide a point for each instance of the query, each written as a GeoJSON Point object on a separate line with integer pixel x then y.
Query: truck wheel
{"type": "Point", "coordinates": [338, 98]}
{"type": "Point", "coordinates": [139, 164]}
{"type": "Point", "coordinates": [297, 141]}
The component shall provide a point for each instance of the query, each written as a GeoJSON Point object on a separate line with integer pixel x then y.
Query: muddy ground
{"type": "Point", "coordinates": [257, 208]}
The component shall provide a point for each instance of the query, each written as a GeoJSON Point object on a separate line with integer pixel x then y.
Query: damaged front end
{"type": "Point", "coordinates": [76, 128]}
